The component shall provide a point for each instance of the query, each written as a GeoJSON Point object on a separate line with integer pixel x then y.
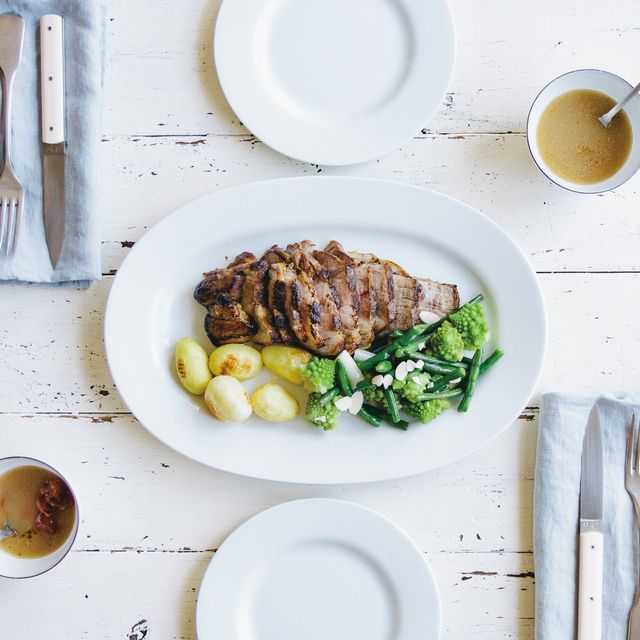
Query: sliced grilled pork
{"type": "Point", "coordinates": [327, 300]}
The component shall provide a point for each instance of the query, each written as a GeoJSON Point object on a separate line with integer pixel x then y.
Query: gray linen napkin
{"type": "Point", "coordinates": [80, 259]}
{"type": "Point", "coordinates": [556, 495]}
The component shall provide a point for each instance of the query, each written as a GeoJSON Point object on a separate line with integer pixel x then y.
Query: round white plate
{"type": "Point", "coordinates": [334, 82]}
{"type": "Point", "coordinates": [317, 569]}
{"type": "Point", "coordinates": [151, 307]}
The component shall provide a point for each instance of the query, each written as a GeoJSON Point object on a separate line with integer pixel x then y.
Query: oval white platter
{"type": "Point", "coordinates": [318, 569]}
{"type": "Point", "coordinates": [334, 82]}
{"type": "Point", "coordinates": [151, 307]}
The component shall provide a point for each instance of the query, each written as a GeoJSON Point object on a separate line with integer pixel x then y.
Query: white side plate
{"type": "Point", "coordinates": [334, 82]}
{"type": "Point", "coordinates": [151, 307]}
{"type": "Point", "coordinates": [317, 569]}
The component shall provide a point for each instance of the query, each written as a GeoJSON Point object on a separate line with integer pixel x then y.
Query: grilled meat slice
{"type": "Point", "coordinates": [327, 300]}
{"type": "Point", "coordinates": [325, 316]}
{"type": "Point", "coordinates": [221, 292]}
{"type": "Point", "coordinates": [367, 299]}
{"type": "Point", "coordinates": [381, 290]}
{"type": "Point", "coordinates": [280, 276]}
{"type": "Point", "coordinates": [341, 277]}
{"type": "Point", "coordinates": [255, 301]}
{"type": "Point", "coordinates": [439, 298]}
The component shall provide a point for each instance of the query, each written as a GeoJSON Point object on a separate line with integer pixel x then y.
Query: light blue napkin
{"type": "Point", "coordinates": [556, 506]}
{"type": "Point", "coordinates": [83, 30]}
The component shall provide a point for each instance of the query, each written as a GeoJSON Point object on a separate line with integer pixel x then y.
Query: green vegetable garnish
{"type": "Point", "coordinates": [447, 343]}
{"type": "Point", "coordinates": [325, 416]}
{"type": "Point", "coordinates": [471, 323]}
{"type": "Point", "coordinates": [319, 374]}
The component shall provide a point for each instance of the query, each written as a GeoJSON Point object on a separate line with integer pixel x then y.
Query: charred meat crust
{"type": "Point", "coordinates": [324, 299]}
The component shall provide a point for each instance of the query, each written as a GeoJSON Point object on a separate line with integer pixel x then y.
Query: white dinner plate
{"type": "Point", "coordinates": [330, 81]}
{"type": "Point", "coordinates": [317, 569]}
{"type": "Point", "coordinates": [151, 307]}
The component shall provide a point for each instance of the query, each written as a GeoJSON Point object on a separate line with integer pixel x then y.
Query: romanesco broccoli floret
{"type": "Point", "coordinates": [470, 322]}
{"type": "Point", "coordinates": [426, 411]}
{"type": "Point", "coordinates": [319, 374]}
{"type": "Point", "coordinates": [447, 343]}
{"type": "Point", "coordinates": [325, 417]}
{"type": "Point", "coordinates": [415, 385]}
{"type": "Point", "coordinates": [375, 395]}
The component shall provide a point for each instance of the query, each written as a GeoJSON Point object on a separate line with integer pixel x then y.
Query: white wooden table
{"type": "Point", "coordinates": [151, 519]}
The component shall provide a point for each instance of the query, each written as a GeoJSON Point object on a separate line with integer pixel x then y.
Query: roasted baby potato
{"type": "Point", "coordinates": [273, 403]}
{"type": "Point", "coordinates": [227, 400]}
{"type": "Point", "coordinates": [237, 360]}
{"type": "Point", "coordinates": [192, 367]}
{"type": "Point", "coordinates": [285, 361]}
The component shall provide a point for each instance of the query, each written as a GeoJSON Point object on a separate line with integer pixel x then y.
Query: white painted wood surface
{"type": "Point", "coordinates": [151, 519]}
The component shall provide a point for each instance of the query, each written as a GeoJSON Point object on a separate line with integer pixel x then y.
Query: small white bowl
{"type": "Point", "coordinates": [595, 79]}
{"type": "Point", "coordinates": [14, 567]}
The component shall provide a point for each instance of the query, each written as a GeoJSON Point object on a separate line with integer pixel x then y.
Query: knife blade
{"type": "Point", "coordinates": [53, 133]}
{"type": "Point", "coordinates": [591, 532]}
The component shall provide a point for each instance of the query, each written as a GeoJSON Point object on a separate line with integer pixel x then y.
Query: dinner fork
{"type": "Point", "coordinates": [12, 29]}
{"type": "Point", "coordinates": [632, 485]}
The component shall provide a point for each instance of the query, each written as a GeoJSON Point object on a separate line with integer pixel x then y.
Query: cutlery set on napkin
{"type": "Point", "coordinates": [12, 204]}
{"type": "Point", "coordinates": [585, 531]}
{"type": "Point", "coordinates": [51, 103]}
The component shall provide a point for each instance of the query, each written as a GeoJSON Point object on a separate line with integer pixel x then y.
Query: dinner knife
{"type": "Point", "coordinates": [591, 532]}
{"type": "Point", "coordinates": [53, 132]}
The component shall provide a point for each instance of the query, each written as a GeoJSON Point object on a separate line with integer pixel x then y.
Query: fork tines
{"type": "Point", "coordinates": [9, 225]}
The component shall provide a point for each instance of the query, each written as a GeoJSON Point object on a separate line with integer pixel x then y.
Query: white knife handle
{"type": "Point", "coordinates": [590, 586]}
{"type": "Point", "coordinates": [52, 78]}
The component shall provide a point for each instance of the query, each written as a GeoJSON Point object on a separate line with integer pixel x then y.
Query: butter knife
{"type": "Point", "coordinates": [591, 532]}
{"type": "Point", "coordinates": [53, 132]}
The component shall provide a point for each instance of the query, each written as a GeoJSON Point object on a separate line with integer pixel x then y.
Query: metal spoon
{"type": "Point", "coordinates": [7, 531]}
{"type": "Point", "coordinates": [605, 120]}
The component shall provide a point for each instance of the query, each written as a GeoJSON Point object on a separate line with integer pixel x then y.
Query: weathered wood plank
{"type": "Point", "coordinates": [126, 479]}
{"type": "Point", "coordinates": [558, 230]}
{"type": "Point", "coordinates": [105, 595]}
{"type": "Point", "coordinates": [53, 358]}
{"type": "Point", "coordinates": [161, 79]}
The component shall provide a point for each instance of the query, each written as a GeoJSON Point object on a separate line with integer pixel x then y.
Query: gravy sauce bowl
{"type": "Point", "coordinates": [594, 80]}
{"type": "Point", "coordinates": [18, 492]}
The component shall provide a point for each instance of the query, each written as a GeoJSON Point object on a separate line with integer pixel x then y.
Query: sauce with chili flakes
{"type": "Point", "coordinates": [39, 506]}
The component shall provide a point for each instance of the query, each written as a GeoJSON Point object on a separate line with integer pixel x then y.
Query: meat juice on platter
{"type": "Point", "coordinates": [39, 506]}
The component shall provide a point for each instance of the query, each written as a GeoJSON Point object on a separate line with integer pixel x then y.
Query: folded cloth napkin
{"type": "Point", "coordinates": [83, 29]}
{"type": "Point", "coordinates": [556, 512]}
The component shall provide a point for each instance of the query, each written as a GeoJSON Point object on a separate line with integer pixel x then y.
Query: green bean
{"type": "Point", "coordinates": [384, 367]}
{"type": "Point", "coordinates": [443, 383]}
{"type": "Point", "coordinates": [440, 370]}
{"type": "Point", "coordinates": [467, 360]}
{"type": "Point", "coordinates": [392, 402]}
{"type": "Point", "coordinates": [364, 384]}
{"type": "Point", "coordinates": [327, 397]}
{"type": "Point", "coordinates": [369, 417]}
{"type": "Point", "coordinates": [412, 335]}
{"type": "Point", "coordinates": [452, 393]}
{"type": "Point", "coordinates": [383, 415]}
{"type": "Point", "coordinates": [491, 360]}
{"type": "Point", "coordinates": [425, 357]}
{"type": "Point", "coordinates": [441, 367]}
{"type": "Point", "coordinates": [396, 333]}
{"type": "Point", "coordinates": [471, 381]}
{"type": "Point", "coordinates": [343, 379]}
{"type": "Point", "coordinates": [370, 363]}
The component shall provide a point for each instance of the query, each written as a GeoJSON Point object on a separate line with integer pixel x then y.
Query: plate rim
{"type": "Point", "coordinates": [384, 476]}
{"type": "Point", "coordinates": [322, 502]}
{"type": "Point", "coordinates": [336, 157]}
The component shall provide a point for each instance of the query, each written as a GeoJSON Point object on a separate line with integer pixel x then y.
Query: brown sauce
{"type": "Point", "coordinates": [40, 529]}
{"type": "Point", "coordinates": [575, 145]}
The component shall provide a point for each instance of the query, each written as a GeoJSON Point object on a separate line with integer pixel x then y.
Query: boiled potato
{"type": "Point", "coordinates": [285, 361]}
{"type": "Point", "coordinates": [192, 366]}
{"type": "Point", "coordinates": [237, 360]}
{"type": "Point", "coordinates": [272, 402]}
{"type": "Point", "coordinates": [227, 400]}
